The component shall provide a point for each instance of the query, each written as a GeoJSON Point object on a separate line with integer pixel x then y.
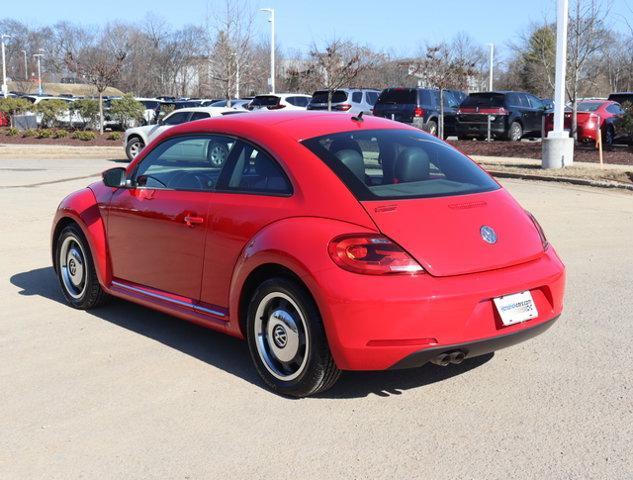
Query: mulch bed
{"type": "Point", "coordinates": [620, 155]}
{"type": "Point", "coordinates": [99, 141]}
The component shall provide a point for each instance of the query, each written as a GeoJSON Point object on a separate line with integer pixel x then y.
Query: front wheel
{"type": "Point", "coordinates": [287, 340]}
{"type": "Point", "coordinates": [75, 270]}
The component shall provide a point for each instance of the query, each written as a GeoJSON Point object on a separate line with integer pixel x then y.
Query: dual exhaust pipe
{"type": "Point", "coordinates": [445, 359]}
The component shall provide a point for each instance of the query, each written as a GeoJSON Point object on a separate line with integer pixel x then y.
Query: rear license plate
{"type": "Point", "coordinates": [516, 308]}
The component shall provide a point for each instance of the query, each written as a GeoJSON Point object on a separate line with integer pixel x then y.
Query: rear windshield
{"type": "Point", "coordinates": [398, 95]}
{"type": "Point", "coordinates": [265, 101]}
{"type": "Point", "coordinates": [150, 104]}
{"type": "Point", "coordinates": [484, 100]}
{"type": "Point", "coordinates": [395, 164]}
{"type": "Point", "coordinates": [338, 96]}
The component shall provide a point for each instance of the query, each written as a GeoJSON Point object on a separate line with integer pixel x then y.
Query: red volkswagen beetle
{"type": "Point", "coordinates": [329, 242]}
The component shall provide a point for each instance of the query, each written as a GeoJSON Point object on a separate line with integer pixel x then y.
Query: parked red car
{"type": "Point", "coordinates": [329, 242]}
{"type": "Point", "coordinates": [592, 115]}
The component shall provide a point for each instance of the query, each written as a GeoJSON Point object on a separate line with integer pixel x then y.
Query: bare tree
{"type": "Point", "coordinates": [99, 64]}
{"type": "Point", "coordinates": [588, 37]}
{"type": "Point", "coordinates": [339, 64]}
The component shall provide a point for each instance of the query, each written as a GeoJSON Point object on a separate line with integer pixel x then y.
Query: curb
{"type": "Point", "coordinates": [549, 178]}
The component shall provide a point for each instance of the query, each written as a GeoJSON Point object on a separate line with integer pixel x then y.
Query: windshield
{"type": "Point", "coordinates": [484, 100]}
{"type": "Point", "coordinates": [394, 164]}
{"type": "Point", "coordinates": [338, 96]}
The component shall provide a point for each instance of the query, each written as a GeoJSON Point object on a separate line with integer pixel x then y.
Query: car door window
{"type": "Point", "coordinates": [252, 170]}
{"type": "Point", "coordinates": [357, 97]}
{"type": "Point", "coordinates": [615, 109]}
{"type": "Point", "coordinates": [185, 163]}
{"type": "Point", "coordinates": [176, 118]}
{"type": "Point", "coordinates": [199, 116]}
{"type": "Point", "coordinates": [534, 102]}
{"type": "Point", "coordinates": [371, 97]}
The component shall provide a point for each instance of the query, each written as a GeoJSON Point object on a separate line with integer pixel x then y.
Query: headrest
{"type": "Point", "coordinates": [345, 144]}
{"type": "Point", "coordinates": [354, 161]}
{"type": "Point", "coordinates": [412, 165]}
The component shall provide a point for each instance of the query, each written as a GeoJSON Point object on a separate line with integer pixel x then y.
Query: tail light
{"type": "Point", "coordinates": [418, 112]}
{"type": "Point", "coordinates": [371, 255]}
{"type": "Point", "coordinates": [276, 107]}
{"type": "Point", "coordinates": [541, 233]}
{"type": "Point", "coordinates": [343, 107]}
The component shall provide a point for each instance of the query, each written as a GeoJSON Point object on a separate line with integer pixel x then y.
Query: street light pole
{"type": "Point", "coordinates": [490, 85]}
{"type": "Point", "coordinates": [558, 147]}
{"type": "Point", "coordinates": [5, 89]}
{"type": "Point", "coordinates": [26, 66]}
{"type": "Point", "coordinates": [39, 71]}
{"type": "Point", "coordinates": [272, 46]}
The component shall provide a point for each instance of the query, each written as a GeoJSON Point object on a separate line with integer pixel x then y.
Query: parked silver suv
{"type": "Point", "coordinates": [352, 100]}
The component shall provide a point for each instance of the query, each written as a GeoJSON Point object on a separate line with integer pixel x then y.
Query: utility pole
{"type": "Point", "coordinates": [558, 147]}
{"type": "Point", "coordinates": [5, 89]}
{"type": "Point", "coordinates": [237, 77]}
{"type": "Point", "coordinates": [39, 71]}
{"type": "Point", "coordinates": [271, 11]}
{"type": "Point", "coordinates": [26, 66]}
{"type": "Point", "coordinates": [490, 84]}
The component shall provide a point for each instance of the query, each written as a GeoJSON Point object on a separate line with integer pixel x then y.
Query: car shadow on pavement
{"type": "Point", "coordinates": [231, 354]}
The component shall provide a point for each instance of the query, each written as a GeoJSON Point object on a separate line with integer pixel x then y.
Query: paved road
{"type": "Point", "coordinates": [123, 392]}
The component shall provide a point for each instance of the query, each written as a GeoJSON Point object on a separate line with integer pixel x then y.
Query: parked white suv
{"type": "Point", "coordinates": [276, 101]}
{"type": "Point", "coordinates": [136, 138]}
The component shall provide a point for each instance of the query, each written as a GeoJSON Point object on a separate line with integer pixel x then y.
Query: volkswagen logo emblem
{"type": "Point", "coordinates": [488, 234]}
{"type": "Point", "coordinates": [279, 336]}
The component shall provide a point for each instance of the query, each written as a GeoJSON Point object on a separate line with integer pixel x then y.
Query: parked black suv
{"type": "Point", "coordinates": [513, 115]}
{"type": "Point", "coordinates": [419, 107]}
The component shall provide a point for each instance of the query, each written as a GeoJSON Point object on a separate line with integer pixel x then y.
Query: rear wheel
{"type": "Point", "coordinates": [431, 127]}
{"type": "Point", "coordinates": [134, 147]}
{"type": "Point", "coordinates": [515, 132]}
{"type": "Point", "coordinates": [75, 270]}
{"type": "Point", "coordinates": [608, 137]}
{"type": "Point", "coordinates": [287, 340]}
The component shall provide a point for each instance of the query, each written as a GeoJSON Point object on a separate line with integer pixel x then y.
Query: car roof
{"type": "Point", "coordinates": [282, 95]}
{"type": "Point", "coordinates": [296, 124]}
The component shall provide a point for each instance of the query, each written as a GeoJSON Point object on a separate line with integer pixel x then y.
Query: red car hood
{"type": "Point", "coordinates": [444, 233]}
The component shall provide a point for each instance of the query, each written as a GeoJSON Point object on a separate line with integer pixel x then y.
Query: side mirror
{"type": "Point", "coordinates": [114, 177]}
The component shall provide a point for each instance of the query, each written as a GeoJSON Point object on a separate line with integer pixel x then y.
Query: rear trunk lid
{"type": "Point", "coordinates": [397, 104]}
{"type": "Point", "coordinates": [444, 233]}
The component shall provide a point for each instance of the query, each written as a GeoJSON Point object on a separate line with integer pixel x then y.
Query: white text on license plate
{"type": "Point", "coordinates": [516, 308]}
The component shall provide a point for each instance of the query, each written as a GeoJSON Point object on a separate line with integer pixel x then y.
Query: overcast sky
{"type": "Point", "coordinates": [397, 26]}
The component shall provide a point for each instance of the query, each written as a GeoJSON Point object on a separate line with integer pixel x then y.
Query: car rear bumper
{"type": "Point", "coordinates": [480, 128]}
{"type": "Point", "coordinates": [376, 323]}
{"type": "Point", "coordinates": [476, 348]}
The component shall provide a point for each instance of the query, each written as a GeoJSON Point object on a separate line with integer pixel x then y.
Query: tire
{"type": "Point", "coordinates": [515, 132]}
{"type": "Point", "coordinates": [133, 147]}
{"type": "Point", "coordinates": [75, 270]}
{"type": "Point", "coordinates": [217, 153]}
{"type": "Point", "coordinates": [287, 341]}
{"type": "Point", "coordinates": [431, 127]}
{"type": "Point", "coordinates": [608, 138]}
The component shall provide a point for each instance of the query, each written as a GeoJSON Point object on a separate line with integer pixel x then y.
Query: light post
{"type": "Point", "coordinates": [26, 66]}
{"type": "Point", "coordinates": [39, 71]}
{"type": "Point", "coordinates": [272, 46]}
{"type": "Point", "coordinates": [558, 147]}
{"type": "Point", "coordinates": [490, 83]}
{"type": "Point", "coordinates": [5, 89]}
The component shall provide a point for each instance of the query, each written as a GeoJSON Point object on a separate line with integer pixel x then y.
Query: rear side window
{"type": "Point", "coordinates": [252, 170]}
{"type": "Point", "coordinates": [199, 116]}
{"type": "Point", "coordinates": [338, 96]}
{"type": "Point", "coordinates": [265, 101]}
{"type": "Point", "coordinates": [357, 97]}
{"type": "Point", "coordinates": [371, 97]}
{"type": "Point", "coordinates": [484, 100]}
{"type": "Point", "coordinates": [398, 96]}
{"type": "Point", "coordinates": [394, 164]}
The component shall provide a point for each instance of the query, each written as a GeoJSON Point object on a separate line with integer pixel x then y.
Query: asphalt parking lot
{"type": "Point", "coordinates": [125, 392]}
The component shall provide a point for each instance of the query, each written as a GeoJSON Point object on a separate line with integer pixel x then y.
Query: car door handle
{"type": "Point", "coordinates": [192, 221]}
